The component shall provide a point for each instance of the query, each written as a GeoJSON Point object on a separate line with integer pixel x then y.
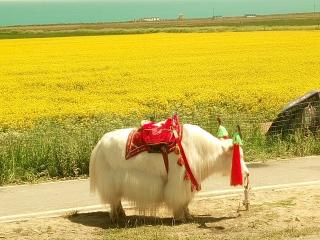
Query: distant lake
{"type": "Point", "coordinates": [25, 12]}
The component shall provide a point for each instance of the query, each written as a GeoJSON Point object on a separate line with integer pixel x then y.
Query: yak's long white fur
{"type": "Point", "coordinates": [143, 178]}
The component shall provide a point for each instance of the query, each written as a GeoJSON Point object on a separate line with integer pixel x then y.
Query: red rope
{"type": "Point", "coordinates": [195, 184]}
{"type": "Point", "coordinates": [189, 174]}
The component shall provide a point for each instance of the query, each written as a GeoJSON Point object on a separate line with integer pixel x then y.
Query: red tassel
{"type": "Point", "coordinates": [176, 150]}
{"type": "Point", "coordinates": [194, 187]}
{"type": "Point", "coordinates": [180, 161]}
{"type": "Point", "coordinates": [236, 172]}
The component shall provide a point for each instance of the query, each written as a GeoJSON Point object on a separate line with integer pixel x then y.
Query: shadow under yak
{"type": "Point", "coordinates": [102, 220]}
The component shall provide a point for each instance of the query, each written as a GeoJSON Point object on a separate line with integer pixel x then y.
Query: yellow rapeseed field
{"type": "Point", "coordinates": [254, 72]}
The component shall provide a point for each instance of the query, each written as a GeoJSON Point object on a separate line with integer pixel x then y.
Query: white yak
{"type": "Point", "coordinates": [143, 179]}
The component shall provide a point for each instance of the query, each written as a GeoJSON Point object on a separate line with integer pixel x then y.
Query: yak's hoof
{"type": "Point", "coordinates": [178, 221]}
{"type": "Point", "coordinates": [121, 213]}
{"type": "Point", "coordinates": [189, 218]}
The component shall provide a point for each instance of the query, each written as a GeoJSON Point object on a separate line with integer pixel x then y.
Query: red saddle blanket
{"type": "Point", "coordinates": [152, 135]}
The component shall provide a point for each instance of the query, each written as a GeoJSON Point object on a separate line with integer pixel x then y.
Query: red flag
{"type": "Point", "coordinates": [236, 172]}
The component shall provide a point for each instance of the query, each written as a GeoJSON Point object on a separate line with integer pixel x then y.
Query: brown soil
{"type": "Point", "coordinates": [278, 214]}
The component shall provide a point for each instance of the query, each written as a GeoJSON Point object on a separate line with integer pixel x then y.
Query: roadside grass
{"type": "Point", "coordinates": [261, 147]}
{"type": "Point", "coordinates": [289, 202]}
{"type": "Point", "coordinates": [190, 231]}
{"type": "Point", "coordinates": [214, 218]}
{"type": "Point", "coordinates": [164, 232]}
{"type": "Point", "coordinates": [290, 233]}
{"type": "Point", "coordinates": [19, 34]}
{"type": "Point", "coordinates": [146, 232]}
{"type": "Point", "coordinates": [260, 225]}
{"type": "Point", "coordinates": [51, 148]}
{"type": "Point", "coordinates": [195, 231]}
{"type": "Point", "coordinates": [56, 148]}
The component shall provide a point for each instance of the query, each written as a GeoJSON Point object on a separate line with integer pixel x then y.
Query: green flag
{"type": "Point", "coordinates": [222, 132]}
{"type": "Point", "coordinates": [237, 138]}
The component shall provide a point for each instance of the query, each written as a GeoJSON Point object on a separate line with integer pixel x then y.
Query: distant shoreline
{"type": "Point", "coordinates": [293, 21]}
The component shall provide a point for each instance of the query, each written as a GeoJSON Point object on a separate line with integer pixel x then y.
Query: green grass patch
{"type": "Point", "coordinates": [145, 232]}
{"type": "Point", "coordinates": [164, 232]}
{"type": "Point", "coordinates": [61, 148]}
{"type": "Point", "coordinates": [290, 202]}
{"type": "Point", "coordinates": [20, 34]}
{"type": "Point", "coordinates": [289, 233]}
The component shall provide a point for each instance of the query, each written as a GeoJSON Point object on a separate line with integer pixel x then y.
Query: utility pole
{"type": "Point", "coordinates": [212, 13]}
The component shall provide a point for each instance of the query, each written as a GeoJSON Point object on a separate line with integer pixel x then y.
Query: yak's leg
{"type": "Point", "coordinates": [182, 214]}
{"type": "Point", "coordinates": [179, 215]}
{"type": "Point", "coordinates": [177, 191]}
{"type": "Point", "coordinates": [187, 213]}
{"type": "Point", "coordinates": [117, 211]}
{"type": "Point", "coordinates": [120, 211]}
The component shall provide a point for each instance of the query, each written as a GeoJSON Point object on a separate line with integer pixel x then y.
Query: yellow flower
{"type": "Point", "coordinates": [254, 72]}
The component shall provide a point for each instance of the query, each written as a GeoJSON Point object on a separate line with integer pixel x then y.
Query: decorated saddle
{"type": "Point", "coordinates": [154, 137]}
{"type": "Point", "coordinates": [163, 137]}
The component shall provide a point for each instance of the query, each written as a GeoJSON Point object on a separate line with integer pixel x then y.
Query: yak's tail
{"type": "Point", "coordinates": [92, 168]}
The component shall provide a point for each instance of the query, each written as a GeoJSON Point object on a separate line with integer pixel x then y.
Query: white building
{"type": "Point", "coordinates": [151, 19]}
